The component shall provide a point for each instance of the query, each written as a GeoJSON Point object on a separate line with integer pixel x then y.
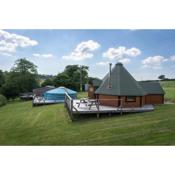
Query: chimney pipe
{"type": "Point", "coordinates": [109, 82]}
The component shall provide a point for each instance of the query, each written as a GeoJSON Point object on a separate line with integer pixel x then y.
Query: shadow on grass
{"type": "Point", "coordinates": [90, 117]}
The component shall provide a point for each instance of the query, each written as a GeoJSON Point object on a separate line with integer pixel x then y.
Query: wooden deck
{"type": "Point", "coordinates": [42, 101]}
{"type": "Point", "coordinates": [74, 108]}
{"type": "Point", "coordinates": [83, 108]}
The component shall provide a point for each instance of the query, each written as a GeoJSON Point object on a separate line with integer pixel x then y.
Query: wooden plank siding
{"type": "Point", "coordinates": [112, 100]}
{"type": "Point", "coordinates": [154, 99]}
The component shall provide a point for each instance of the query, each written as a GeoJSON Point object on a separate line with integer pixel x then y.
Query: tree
{"type": "Point", "coordinates": [2, 78]}
{"type": "Point", "coordinates": [11, 87]}
{"type": "Point", "coordinates": [62, 79]}
{"type": "Point", "coordinates": [48, 82]}
{"type": "Point", "coordinates": [78, 74]}
{"type": "Point", "coordinates": [161, 77]}
{"type": "Point", "coordinates": [21, 78]}
{"type": "Point", "coordinates": [26, 75]}
{"type": "Point", "coordinates": [72, 77]}
{"type": "Point", "coordinates": [24, 66]}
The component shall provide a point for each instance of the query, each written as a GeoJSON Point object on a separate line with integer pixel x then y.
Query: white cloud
{"type": "Point", "coordinates": [102, 63]}
{"type": "Point", "coordinates": [9, 42]}
{"type": "Point", "coordinates": [154, 62]}
{"type": "Point", "coordinates": [125, 61]}
{"type": "Point", "coordinates": [121, 53]}
{"type": "Point", "coordinates": [172, 58]}
{"type": "Point", "coordinates": [83, 51]}
{"type": "Point", "coordinates": [165, 60]}
{"type": "Point", "coordinates": [36, 54]}
{"type": "Point", "coordinates": [6, 54]}
{"type": "Point", "coordinates": [43, 55]}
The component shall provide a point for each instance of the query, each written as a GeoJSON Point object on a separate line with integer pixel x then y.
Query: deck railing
{"type": "Point", "coordinates": [69, 104]}
{"type": "Point", "coordinates": [120, 107]}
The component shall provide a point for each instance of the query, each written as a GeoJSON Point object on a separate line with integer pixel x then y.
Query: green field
{"type": "Point", "coordinates": [22, 124]}
{"type": "Point", "coordinates": [169, 87]}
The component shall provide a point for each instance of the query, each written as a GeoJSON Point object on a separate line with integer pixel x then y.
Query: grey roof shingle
{"type": "Point", "coordinates": [152, 87]}
{"type": "Point", "coordinates": [122, 83]}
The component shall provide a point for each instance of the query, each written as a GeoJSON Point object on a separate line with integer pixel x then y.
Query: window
{"type": "Point", "coordinates": [130, 99]}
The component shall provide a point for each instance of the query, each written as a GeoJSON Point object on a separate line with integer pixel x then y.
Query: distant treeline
{"type": "Point", "coordinates": [44, 77]}
{"type": "Point", "coordinates": [166, 79]}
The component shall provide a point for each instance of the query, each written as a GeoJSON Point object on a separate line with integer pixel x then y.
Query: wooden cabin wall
{"type": "Point", "coordinates": [108, 100]}
{"type": "Point", "coordinates": [112, 100]}
{"type": "Point", "coordinates": [154, 99]}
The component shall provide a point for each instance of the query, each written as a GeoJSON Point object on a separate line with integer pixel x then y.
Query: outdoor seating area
{"type": "Point", "coordinates": [93, 106]}
{"type": "Point", "coordinates": [87, 102]}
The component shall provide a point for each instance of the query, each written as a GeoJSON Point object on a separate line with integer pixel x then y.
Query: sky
{"type": "Point", "coordinates": [146, 54]}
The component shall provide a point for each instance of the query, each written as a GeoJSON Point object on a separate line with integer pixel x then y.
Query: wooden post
{"type": "Point", "coordinates": [65, 98]}
{"type": "Point", "coordinates": [71, 109]}
{"type": "Point", "coordinates": [121, 112]}
{"type": "Point", "coordinates": [98, 113]}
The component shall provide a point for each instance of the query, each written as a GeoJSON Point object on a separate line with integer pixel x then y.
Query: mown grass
{"type": "Point", "coordinates": [82, 95]}
{"type": "Point", "coordinates": [169, 87]}
{"type": "Point", "coordinates": [22, 124]}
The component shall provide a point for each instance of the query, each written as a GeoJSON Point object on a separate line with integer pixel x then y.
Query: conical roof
{"type": "Point", "coordinates": [122, 83]}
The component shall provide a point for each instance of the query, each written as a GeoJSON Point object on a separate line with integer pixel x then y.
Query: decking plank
{"type": "Point", "coordinates": [84, 109]}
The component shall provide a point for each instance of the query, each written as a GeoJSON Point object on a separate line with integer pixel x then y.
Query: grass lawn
{"type": "Point", "coordinates": [82, 94]}
{"type": "Point", "coordinates": [22, 124]}
{"type": "Point", "coordinates": [169, 87]}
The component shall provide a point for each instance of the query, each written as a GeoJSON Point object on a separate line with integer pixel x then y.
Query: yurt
{"type": "Point", "coordinates": [119, 88]}
{"type": "Point", "coordinates": [58, 94]}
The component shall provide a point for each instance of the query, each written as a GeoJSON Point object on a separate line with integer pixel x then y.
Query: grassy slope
{"type": "Point", "coordinates": [169, 87]}
{"type": "Point", "coordinates": [22, 124]}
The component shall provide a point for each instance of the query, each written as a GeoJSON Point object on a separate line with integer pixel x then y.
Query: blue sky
{"type": "Point", "coordinates": [145, 53]}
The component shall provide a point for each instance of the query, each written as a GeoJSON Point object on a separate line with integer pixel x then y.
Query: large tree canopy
{"type": "Point", "coordinates": [47, 82]}
{"type": "Point", "coordinates": [11, 87]}
{"type": "Point", "coordinates": [21, 78]}
{"type": "Point", "coordinates": [24, 66]}
{"type": "Point", "coordinates": [2, 78]}
{"type": "Point", "coordinates": [62, 79]}
{"type": "Point", "coordinates": [73, 77]}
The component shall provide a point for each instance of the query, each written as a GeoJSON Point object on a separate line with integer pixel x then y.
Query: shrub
{"type": "Point", "coordinates": [3, 100]}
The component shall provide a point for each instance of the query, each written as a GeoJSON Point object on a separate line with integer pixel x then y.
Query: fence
{"type": "Point", "coordinates": [69, 104]}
